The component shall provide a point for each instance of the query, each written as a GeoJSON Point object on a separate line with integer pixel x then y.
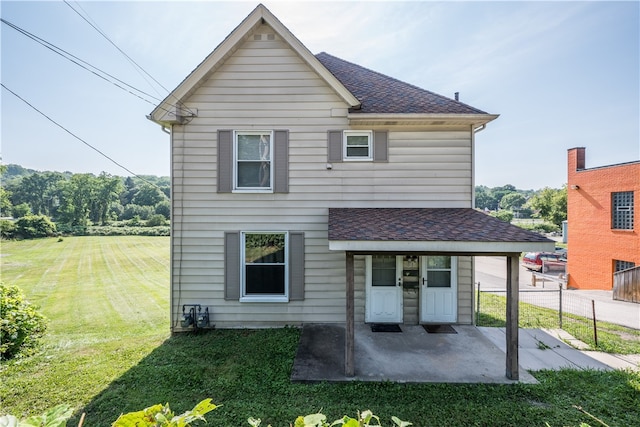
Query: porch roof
{"type": "Point", "coordinates": [428, 230]}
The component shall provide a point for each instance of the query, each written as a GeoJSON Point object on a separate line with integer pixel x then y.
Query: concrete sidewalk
{"type": "Point", "coordinates": [545, 349]}
{"type": "Point", "coordinates": [471, 355]}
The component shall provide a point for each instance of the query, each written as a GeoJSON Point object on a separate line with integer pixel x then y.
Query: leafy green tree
{"type": "Point", "coordinates": [130, 190]}
{"type": "Point", "coordinates": [148, 195]}
{"type": "Point", "coordinates": [164, 208]}
{"type": "Point", "coordinates": [108, 189]}
{"type": "Point", "coordinates": [21, 210]}
{"type": "Point", "coordinates": [550, 204]}
{"type": "Point", "coordinates": [512, 201]}
{"type": "Point", "coordinates": [131, 211]}
{"type": "Point", "coordinates": [78, 195]}
{"type": "Point", "coordinates": [484, 198]}
{"type": "Point", "coordinates": [5, 203]}
{"type": "Point", "coordinates": [38, 190]}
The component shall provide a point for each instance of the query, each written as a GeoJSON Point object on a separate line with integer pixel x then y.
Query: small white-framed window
{"type": "Point", "coordinates": [264, 266]}
{"type": "Point", "coordinates": [357, 145]}
{"type": "Point", "coordinates": [252, 154]}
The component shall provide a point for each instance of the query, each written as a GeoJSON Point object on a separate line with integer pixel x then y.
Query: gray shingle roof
{"type": "Point", "coordinates": [423, 224]}
{"type": "Point", "coordinates": [383, 94]}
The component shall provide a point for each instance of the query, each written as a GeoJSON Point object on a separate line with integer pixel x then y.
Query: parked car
{"type": "Point", "coordinates": [561, 251]}
{"type": "Point", "coordinates": [535, 261]}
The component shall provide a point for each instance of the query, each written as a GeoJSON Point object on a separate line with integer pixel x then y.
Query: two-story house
{"type": "Point", "coordinates": [308, 189]}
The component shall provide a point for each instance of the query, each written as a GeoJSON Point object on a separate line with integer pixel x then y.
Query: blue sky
{"type": "Point", "coordinates": [560, 74]}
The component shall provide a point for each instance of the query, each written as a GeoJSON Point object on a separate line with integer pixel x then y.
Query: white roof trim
{"type": "Point", "coordinates": [440, 246]}
{"type": "Point", "coordinates": [415, 117]}
{"type": "Point", "coordinates": [260, 14]}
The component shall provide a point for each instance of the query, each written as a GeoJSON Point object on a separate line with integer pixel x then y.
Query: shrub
{"type": "Point", "coordinates": [21, 325]}
{"type": "Point", "coordinates": [163, 416]}
{"type": "Point", "coordinates": [503, 215]}
{"type": "Point", "coordinates": [541, 227]}
{"type": "Point", "coordinates": [156, 220]}
{"type": "Point", "coordinates": [7, 229]}
{"type": "Point", "coordinates": [33, 226]}
{"type": "Point", "coordinates": [143, 212]}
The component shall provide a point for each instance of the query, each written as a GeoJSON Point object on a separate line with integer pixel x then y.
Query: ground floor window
{"type": "Point", "coordinates": [623, 265]}
{"type": "Point", "coordinates": [264, 266]}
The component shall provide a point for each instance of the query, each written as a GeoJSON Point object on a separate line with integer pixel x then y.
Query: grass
{"type": "Point", "coordinates": [611, 338]}
{"type": "Point", "coordinates": [115, 355]}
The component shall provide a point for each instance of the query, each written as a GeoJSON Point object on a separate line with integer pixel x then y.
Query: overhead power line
{"type": "Point", "coordinates": [137, 66]}
{"type": "Point", "coordinates": [83, 64]}
{"type": "Point", "coordinates": [80, 139]}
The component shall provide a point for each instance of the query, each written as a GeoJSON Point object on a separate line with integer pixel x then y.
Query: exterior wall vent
{"type": "Point", "coordinates": [257, 36]}
{"type": "Point", "coordinates": [271, 36]}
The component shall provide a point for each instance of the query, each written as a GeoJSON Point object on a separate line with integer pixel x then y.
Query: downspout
{"type": "Point", "coordinates": [473, 204]}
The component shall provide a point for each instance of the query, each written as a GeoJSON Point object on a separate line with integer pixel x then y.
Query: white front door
{"type": "Point", "coordinates": [383, 293]}
{"type": "Point", "coordinates": [438, 290]}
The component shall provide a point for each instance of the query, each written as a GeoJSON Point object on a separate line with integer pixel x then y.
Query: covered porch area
{"type": "Point", "coordinates": [424, 232]}
{"type": "Point", "coordinates": [412, 356]}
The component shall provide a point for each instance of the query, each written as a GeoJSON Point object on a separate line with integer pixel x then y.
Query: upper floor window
{"type": "Point", "coordinates": [358, 145]}
{"type": "Point", "coordinates": [252, 160]}
{"type": "Point", "coordinates": [622, 210]}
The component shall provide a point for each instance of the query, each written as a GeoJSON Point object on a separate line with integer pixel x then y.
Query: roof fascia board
{"type": "Point", "coordinates": [260, 14]}
{"type": "Point", "coordinates": [418, 118]}
{"type": "Point", "coordinates": [440, 246]}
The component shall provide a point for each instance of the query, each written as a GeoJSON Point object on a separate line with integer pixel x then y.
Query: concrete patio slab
{"type": "Point", "coordinates": [410, 356]}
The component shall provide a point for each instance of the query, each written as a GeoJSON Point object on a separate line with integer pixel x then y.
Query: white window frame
{"type": "Point", "coordinates": [264, 297]}
{"type": "Point", "coordinates": [368, 134]}
{"type": "Point", "coordinates": [236, 188]}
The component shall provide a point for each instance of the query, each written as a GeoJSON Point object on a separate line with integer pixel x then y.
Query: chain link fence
{"type": "Point", "coordinates": [549, 308]}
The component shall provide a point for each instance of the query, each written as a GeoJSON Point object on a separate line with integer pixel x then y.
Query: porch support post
{"type": "Point", "coordinates": [349, 345]}
{"type": "Point", "coordinates": [513, 281]}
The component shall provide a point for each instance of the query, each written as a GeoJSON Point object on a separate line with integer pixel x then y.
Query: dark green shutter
{"type": "Point", "coordinates": [380, 146]}
{"type": "Point", "coordinates": [281, 161]}
{"type": "Point", "coordinates": [225, 161]}
{"type": "Point", "coordinates": [232, 265]}
{"type": "Point", "coordinates": [296, 266]}
{"type": "Point", "coordinates": [334, 142]}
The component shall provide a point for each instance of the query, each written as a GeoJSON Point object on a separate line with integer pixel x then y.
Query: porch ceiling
{"type": "Point", "coordinates": [428, 230]}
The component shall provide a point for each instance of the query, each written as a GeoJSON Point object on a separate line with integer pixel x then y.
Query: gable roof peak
{"type": "Point", "coordinates": [170, 111]}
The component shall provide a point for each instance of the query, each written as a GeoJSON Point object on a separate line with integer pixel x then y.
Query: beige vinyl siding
{"type": "Point", "coordinates": [265, 86]}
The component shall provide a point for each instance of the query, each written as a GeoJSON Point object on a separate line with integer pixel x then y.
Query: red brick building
{"type": "Point", "coordinates": [603, 226]}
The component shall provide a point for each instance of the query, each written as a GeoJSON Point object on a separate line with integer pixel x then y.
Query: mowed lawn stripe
{"type": "Point", "coordinates": [132, 286]}
{"type": "Point", "coordinates": [97, 281]}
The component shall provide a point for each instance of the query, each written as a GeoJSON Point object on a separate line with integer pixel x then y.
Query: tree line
{"type": "Point", "coordinates": [82, 200]}
{"type": "Point", "coordinates": [507, 202]}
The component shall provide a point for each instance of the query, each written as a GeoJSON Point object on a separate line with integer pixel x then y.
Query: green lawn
{"type": "Point", "coordinates": [109, 351]}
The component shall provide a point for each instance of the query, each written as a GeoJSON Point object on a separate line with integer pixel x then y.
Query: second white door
{"type": "Point", "coordinates": [438, 289]}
